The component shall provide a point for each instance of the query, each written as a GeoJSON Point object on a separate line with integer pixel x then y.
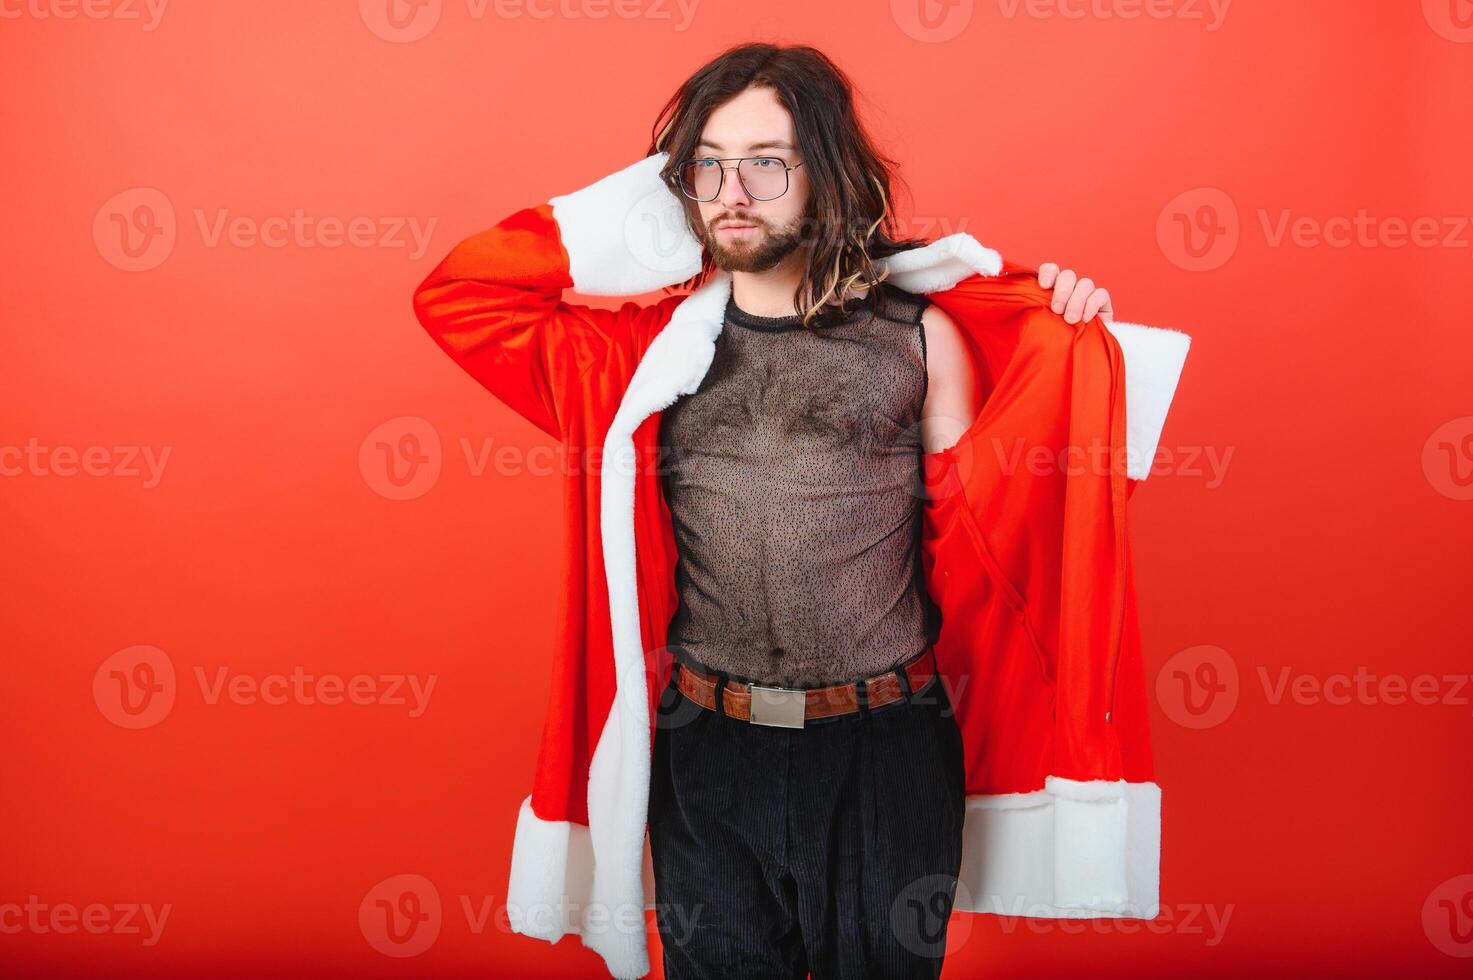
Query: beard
{"type": "Point", "coordinates": [764, 253]}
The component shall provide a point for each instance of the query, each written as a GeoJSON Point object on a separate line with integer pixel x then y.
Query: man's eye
{"type": "Point", "coordinates": [767, 163]}
{"type": "Point", "coordinates": [705, 164]}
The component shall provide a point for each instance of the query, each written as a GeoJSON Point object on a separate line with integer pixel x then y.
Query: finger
{"type": "Point", "coordinates": [1046, 273]}
{"type": "Point", "coordinates": [1098, 302]}
{"type": "Point", "coordinates": [1062, 288]}
{"type": "Point", "coordinates": [1074, 310]}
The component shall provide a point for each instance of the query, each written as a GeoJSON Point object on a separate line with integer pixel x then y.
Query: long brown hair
{"type": "Point", "coordinates": [849, 221]}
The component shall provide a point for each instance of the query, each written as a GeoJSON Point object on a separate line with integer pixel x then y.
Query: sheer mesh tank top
{"type": "Point", "coordinates": [793, 480]}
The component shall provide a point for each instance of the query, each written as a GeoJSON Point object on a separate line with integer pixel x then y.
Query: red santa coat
{"type": "Point", "coordinates": [1025, 551]}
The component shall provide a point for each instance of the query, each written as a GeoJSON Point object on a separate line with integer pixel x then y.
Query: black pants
{"type": "Point", "coordinates": [831, 849]}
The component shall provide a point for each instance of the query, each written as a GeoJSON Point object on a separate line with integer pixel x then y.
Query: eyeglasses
{"type": "Point", "coordinates": [763, 178]}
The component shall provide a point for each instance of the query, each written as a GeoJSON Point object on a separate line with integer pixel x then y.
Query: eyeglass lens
{"type": "Point", "coordinates": [763, 177]}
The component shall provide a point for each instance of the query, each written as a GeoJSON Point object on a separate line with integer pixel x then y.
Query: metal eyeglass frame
{"type": "Point", "coordinates": [787, 181]}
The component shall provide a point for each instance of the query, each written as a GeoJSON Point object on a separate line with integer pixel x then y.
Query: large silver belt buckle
{"type": "Point", "coordinates": [783, 707]}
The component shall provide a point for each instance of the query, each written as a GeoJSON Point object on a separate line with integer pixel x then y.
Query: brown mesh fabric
{"type": "Point", "coordinates": [793, 477]}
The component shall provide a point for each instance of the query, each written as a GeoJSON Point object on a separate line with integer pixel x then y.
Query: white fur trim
{"type": "Point", "coordinates": [1153, 361]}
{"type": "Point", "coordinates": [595, 881]}
{"type": "Point", "coordinates": [550, 894]}
{"type": "Point", "coordinates": [1088, 791]}
{"type": "Point", "coordinates": [626, 234]}
{"type": "Point", "coordinates": [551, 871]}
{"type": "Point", "coordinates": [1089, 852]}
{"type": "Point", "coordinates": [1032, 855]}
{"type": "Point", "coordinates": [942, 264]}
{"type": "Point", "coordinates": [619, 774]}
{"type": "Point", "coordinates": [1070, 850]}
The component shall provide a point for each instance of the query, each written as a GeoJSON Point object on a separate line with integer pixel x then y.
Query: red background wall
{"type": "Point", "coordinates": [1312, 521]}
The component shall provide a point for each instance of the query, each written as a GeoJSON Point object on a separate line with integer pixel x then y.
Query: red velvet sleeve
{"type": "Point", "coordinates": [495, 305]}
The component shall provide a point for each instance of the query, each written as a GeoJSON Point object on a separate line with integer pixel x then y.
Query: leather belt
{"type": "Point", "coordinates": [790, 707]}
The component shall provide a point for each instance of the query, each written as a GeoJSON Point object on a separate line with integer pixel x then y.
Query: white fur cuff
{"type": "Point", "coordinates": [1089, 843]}
{"type": "Point", "coordinates": [626, 233]}
{"type": "Point", "coordinates": [1153, 361]}
{"type": "Point", "coordinates": [1075, 849]}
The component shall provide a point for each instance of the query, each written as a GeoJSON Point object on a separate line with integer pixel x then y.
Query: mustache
{"type": "Point", "coordinates": [737, 220]}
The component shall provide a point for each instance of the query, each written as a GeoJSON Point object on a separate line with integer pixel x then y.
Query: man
{"type": "Point", "coordinates": [809, 796]}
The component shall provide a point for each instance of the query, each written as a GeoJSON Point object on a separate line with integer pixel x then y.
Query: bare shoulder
{"type": "Point", "coordinates": [948, 410]}
{"type": "Point", "coordinates": [943, 335]}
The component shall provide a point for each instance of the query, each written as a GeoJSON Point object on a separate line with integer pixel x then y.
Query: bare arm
{"type": "Point", "coordinates": [948, 413]}
{"type": "Point", "coordinates": [951, 385]}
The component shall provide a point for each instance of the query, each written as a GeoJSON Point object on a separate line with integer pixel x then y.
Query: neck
{"type": "Point", "coordinates": [770, 293]}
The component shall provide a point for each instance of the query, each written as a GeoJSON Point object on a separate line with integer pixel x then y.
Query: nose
{"type": "Point", "coordinates": [733, 194]}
